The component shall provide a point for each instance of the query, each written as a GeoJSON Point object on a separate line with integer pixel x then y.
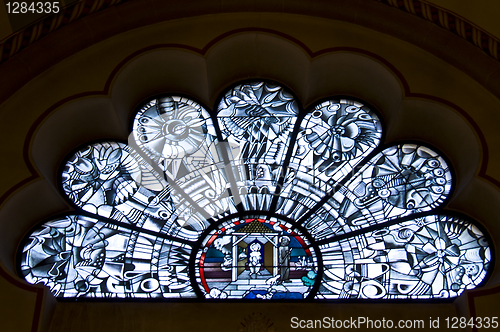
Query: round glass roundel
{"type": "Point", "coordinates": [254, 258]}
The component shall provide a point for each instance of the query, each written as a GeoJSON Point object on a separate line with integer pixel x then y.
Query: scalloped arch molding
{"type": "Point", "coordinates": [165, 68]}
{"type": "Point", "coordinates": [204, 73]}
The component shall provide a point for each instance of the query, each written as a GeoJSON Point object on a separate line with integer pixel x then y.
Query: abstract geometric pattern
{"type": "Point", "coordinates": [258, 119]}
{"type": "Point", "coordinates": [82, 256]}
{"type": "Point", "coordinates": [429, 257]}
{"type": "Point", "coordinates": [257, 200]}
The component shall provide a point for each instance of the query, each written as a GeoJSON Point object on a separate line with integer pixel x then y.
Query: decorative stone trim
{"type": "Point", "coordinates": [451, 22]}
{"type": "Point", "coordinates": [439, 16]}
{"type": "Point", "coordinates": [27, 36]}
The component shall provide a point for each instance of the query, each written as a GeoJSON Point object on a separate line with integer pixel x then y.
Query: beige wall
{"type": "Point", "coordinates": [447, 99]}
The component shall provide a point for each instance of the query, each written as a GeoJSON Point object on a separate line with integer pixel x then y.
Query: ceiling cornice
{"type": "Point", "coordinates": [441, 17]}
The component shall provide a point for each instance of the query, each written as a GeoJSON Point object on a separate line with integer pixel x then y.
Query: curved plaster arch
{"type": "Point", "coordinates": [370, 14]}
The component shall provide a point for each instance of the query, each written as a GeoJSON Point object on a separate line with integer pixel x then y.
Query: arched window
{"type": "Point", "coordinates": [256, 200]}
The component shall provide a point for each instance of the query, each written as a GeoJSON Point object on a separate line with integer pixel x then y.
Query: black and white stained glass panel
{"type": "Point", "coordinates": [177, 137]}
{"type": "Point", "coordinates": [78, 256]}
{"type": "Point", "coordinates": [430, 257]}
{"type": "Point", "coordinates": [111, 180]}
{"type": "Point", "coordinates": [399, 181]}
{"type": "Point", "coordinates": [257, 119]}
{"type": "Point", "coordinates": [332, 140]}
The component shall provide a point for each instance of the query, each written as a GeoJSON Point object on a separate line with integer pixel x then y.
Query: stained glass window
{"type": "Point", "coordinates": [258, 199]}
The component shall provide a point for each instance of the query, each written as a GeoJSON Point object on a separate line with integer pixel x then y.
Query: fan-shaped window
{"type": "Point", "coordinates": [257, 200]}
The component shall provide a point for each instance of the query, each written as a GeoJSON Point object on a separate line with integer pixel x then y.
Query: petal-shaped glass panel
{"type": "Point", "coordinates": [430, 257]}
{"type": "Point", "coordinates": [404, 178]}
{"type": "Point", "coordinates": [100, 176]}
{"type": "Point", "coordinates": [77, 256]}
{"type": "Point", "coordinates": [176, 136]}
{"type": "Point", "coordinates": [254, 258]}
{"type": "Point", "coordinates": [258, 118]}
{"type": "Point", "coordinates": [333, 139]}
{"type": "Point", "coordinates": [399, 181]}
{"type": "Point", "coordinates": [112, 180]}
